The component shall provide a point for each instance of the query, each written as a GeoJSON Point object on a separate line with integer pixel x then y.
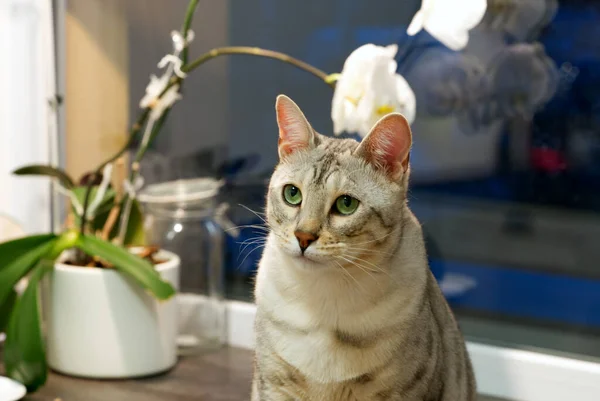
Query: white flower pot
{"type": "Point", "coordinates": [101, 324]}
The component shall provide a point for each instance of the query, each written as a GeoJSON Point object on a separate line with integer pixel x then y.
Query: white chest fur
{"type": "Point", "coordinates": [305, 314]}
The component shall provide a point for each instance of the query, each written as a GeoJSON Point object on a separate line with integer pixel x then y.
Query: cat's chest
{"type": "Point", "coordinates": [336, 392]}
{"type": "Point", "coordinates": [324, 355]}
{"type": "Point", "coordinates": [367, 387]}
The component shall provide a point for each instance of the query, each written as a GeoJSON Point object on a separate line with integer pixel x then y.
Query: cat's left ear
{"type": "Point", "coordinates": [295, 133]}
{"type": "Point", "coordinates": [387, 145]}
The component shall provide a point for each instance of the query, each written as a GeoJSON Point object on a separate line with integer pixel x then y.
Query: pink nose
{"type": "Point", "coordinates": [305, 239]}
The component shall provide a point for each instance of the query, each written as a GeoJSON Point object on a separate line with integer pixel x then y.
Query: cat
{"type": "Point", "coordinates": [347, 308]}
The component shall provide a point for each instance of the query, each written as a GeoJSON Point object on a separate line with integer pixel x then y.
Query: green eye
{"type": "Point", "coordinates": [346, 205]}
{"type": "Point", "coordinates": [292, 195]}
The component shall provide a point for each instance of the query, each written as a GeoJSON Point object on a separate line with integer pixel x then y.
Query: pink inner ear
{"type": "Point", "coordinates": [287, 147]}
{"type": "Point", "coordinates": [388, 144]}
{"type": "Point", "coordinates": [294, 131]}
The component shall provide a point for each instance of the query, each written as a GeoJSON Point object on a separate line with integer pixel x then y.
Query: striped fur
{"type": "Point", "coordinates": [359, 317]}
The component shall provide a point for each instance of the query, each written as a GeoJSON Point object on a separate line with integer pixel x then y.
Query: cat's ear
{"type": "Point", "coordinates": [295, 133]}
{"type": "Point", "coordinates": [387, 145]}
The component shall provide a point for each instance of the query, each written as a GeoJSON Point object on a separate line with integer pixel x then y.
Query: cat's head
{"type": "Point", "coordinates": [337, 201]}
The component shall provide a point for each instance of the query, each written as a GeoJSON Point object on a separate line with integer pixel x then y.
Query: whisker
{"type": "Point", "coordinates": [342, 246]}
{"type": "Point", "coordinates": [246, 257]}
{"type": "Point", "coordinates": [379, 239]}
{"type": "Point", "coordinates": [243, 245]}
{"type": "Point", "coordinates": [351, 276]}
{"type": "Point", "coordinates": [259, 237]}
{"type": "Point", "coordinates": [261, 234]}
{"type": "Point", "coordinates": [345, 247]}
{"type": "Point", "coordinates": [403, 237]}
{"type": "Point", "coordinates": [359, 266]}
{"type": "Point", "coordinates": [257, 214]}
{"type": "Point", "coordinates": [254, 242]}
{"type": "Point", "coordinates": [376, 269]}
{"type": "Point", "coordinates": [256, 226]}
{"type": "Point", "coordinates": [368, 250]}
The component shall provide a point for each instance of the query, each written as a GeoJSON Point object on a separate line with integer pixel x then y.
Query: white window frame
{"type": "Point", "coordinates": [503, 372]}
{"type": "Point", "coordinates": [28, 120]}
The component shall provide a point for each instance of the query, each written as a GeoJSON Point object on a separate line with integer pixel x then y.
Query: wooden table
{"type": "Point", "coordinates": [220, 376]}
{"type": "Point", "coordinates": [224, 375]}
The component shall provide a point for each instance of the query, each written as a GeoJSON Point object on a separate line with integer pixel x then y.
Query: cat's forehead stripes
{"type": "Point", "coordinates": [327, 162]}
{"type": "Point", "coordinates": [323, 168]}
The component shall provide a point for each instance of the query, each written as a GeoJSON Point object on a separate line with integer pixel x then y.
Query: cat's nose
{"type": "Point", "coordinates": [305, 239]}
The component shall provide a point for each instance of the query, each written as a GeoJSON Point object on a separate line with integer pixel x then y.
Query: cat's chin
{"type": "Point", "coordinates": [307, 261]}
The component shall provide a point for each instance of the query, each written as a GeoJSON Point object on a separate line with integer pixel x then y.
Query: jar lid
{"type": "Point", "coordinates": [181, 191]}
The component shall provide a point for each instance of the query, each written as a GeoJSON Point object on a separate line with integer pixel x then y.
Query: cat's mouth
{"type": "Point", "coordinates": [312, 259]}
{"type": "Point", "coordinates": [305, 256]}
{"type": "Point", "coordinates": [309, 257]}
{"type": "Point", "coordinates": [309, 262]}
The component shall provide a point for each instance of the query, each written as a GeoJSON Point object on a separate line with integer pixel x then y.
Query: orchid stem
{"type": "Point", "coordinates": [187, 22]}
{"type": "Point", "coordinates": [256, 51]}
{"type": "Point", "coordinates": [143, 119]}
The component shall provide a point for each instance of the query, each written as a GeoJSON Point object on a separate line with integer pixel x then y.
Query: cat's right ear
{"type": "Point", "coordinates": [388, 144]}
{"type": "Point", "coordinates": [295, 133]}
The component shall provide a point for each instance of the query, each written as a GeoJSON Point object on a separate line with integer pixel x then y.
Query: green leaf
{"type": "Point", "coordinates": [135, 226]}
{"type": "Point", "coordinates": [24, 354]}
{"type": "Point", "coordinates": [103, 210]}
{"type": "Point", "coordinates": [124, 261]}
{"type": "Point", "coordinates": [18, 257]}
{"type": "Point", "coordinates": [134, 235]}
{"type": "Point", "coordinates": [49, 171]}
{"type": "Point", "coordinates": [6, 308]}
{"type": "Point", "coordinates": [107, 200]}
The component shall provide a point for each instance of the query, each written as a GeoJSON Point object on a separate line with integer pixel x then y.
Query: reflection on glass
{"type": "Point", "coordinates": [523, 79]}
{"type": "Point", "coordinates": [519, 19]}
{"type": "Point", "coordinates": [506, 156]}
{"type": "Point", "coordinates": [450, 83]}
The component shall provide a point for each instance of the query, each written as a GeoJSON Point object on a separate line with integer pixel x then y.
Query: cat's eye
{"type": "Point", "coordinates": [345, 205]}
{"type": "Point", "coordinates": [292, 195]}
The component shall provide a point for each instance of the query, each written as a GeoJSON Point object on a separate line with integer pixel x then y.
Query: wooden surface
{"type": "Point", "coordinates": [220, 376]}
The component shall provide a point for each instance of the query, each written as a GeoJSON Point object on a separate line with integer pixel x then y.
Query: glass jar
{"type": "Point", "coordinates": [184, 217]}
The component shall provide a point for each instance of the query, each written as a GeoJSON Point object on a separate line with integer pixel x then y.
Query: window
{"type": "Point", "coordinates": [28, 125]}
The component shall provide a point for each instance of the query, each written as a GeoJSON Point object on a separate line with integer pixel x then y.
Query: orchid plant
{"type": "Point", "coordinates": [369, 88]}
{"type": "Point", "coordinates": [105, 218]}
{"type": "Point", "coordinates": [449, 21]}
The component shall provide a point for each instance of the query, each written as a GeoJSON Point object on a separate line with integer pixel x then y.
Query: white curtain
{"type": "Point", "coordinates": [28, 131]}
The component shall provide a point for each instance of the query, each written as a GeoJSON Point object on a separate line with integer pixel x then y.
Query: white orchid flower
{"type": "Point", "coordinates": [369, 88]}
{"type": "Point", "coordinates": [157, 85]}
{"type": "Point", "coordinates": [449, 21]}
